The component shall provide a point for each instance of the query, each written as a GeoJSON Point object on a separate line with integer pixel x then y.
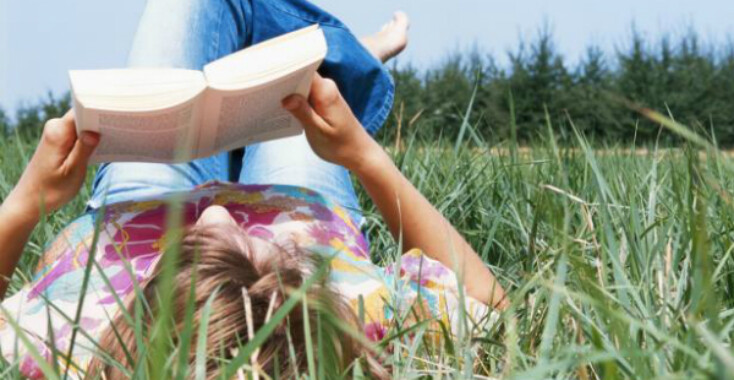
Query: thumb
{"type": "Point", "coordinates": [328, 101]}
{"type": "Point", "coordinates": [83, 149]}
{"type": "Point", "coordinates": [302, 110]}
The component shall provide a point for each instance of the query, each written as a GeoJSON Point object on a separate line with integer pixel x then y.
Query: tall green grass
{"type": "Point", "coordinates": [618, 260]}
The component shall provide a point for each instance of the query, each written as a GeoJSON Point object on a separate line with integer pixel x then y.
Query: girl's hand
{"type": "Point", "coordinates": [57, 169]}
{"type": "Point", "coordinates": [332, 130]}
{"type": "Point", "coordinates": [336, 135]}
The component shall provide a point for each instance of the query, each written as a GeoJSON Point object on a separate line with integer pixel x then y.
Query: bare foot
{"type": "Point", "coordinates": [391, 39]}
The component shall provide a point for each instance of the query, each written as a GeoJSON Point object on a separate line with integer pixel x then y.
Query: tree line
{"type": "Point", "coordinates": [683, 77]}
{"type": "Point", "coordinates": [691, 81]}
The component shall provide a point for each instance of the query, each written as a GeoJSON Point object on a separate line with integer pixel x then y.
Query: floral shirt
{"type": "Point", "coordinates": [129, 244]}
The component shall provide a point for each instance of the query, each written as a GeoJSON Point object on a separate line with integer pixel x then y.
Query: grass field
{"type": "Point", "coordinates": [619, 265]}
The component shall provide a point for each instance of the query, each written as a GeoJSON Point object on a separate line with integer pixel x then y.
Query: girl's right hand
{"type": "Point", "coordinates": [337, 136]}
{"type": "Point", "coordinates": [332, 130]}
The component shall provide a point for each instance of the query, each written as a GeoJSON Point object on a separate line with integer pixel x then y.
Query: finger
{"type": "Point", "coordinates": [69, 116]}
{"type": "Point", "coordinates": [328, 102]}
{"type": "Point", "coordinates": [83, 150]}
{"type": "Point", "coordinates": [58, 138]}
{"type": "Point", "coordinates": [302, 110]}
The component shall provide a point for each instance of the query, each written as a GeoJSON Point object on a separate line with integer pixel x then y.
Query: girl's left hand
{"type": "Point", "coordinates": [57, 170]}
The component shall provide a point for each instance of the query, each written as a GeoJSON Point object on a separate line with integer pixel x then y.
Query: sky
{"type": "Point", "coordinates": [40, 40]}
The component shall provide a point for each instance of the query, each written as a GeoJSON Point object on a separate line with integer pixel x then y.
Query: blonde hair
{"type": "Point", "coordinates": [217, 261]}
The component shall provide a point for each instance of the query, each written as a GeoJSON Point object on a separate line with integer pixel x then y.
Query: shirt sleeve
{"type": "Point", "coordinates": [413, 289]}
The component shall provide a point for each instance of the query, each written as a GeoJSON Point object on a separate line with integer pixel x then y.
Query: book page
{"type": "Point", "coordinates": [268, 60]}
{"type": "Point", "coordinates": [163, 136]}
{"type": "Point", "coordinates": [234, 119]}
{"type": "Point", "coordinates": [135, 90]}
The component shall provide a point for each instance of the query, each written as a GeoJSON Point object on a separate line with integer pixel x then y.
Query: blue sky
{"type": "Point", "coordinates": [40, 40]}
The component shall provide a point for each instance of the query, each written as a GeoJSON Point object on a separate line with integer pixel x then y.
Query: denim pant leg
{"type": "Point", "coordinates": [180, 34]}
{"type": "Point", "coordinates": [191, 33]}
{"type": "Point", "coordinates": [291, 161]}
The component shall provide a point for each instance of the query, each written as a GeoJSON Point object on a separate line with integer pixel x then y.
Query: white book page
{"type": "Point", "coordinates": [136, 89]}
{"type": "Point", "coordinates": [163, 136]}
{"type": "Point", "coordinates": [234, 119]}
{"type": "Point", "coordinates": [268, 60]}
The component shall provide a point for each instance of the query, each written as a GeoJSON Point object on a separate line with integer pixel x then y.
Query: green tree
{"type": "Point", "coordinates": [592, 88]}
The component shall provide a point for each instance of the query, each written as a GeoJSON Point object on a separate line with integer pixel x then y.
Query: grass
{"type": "Point", "coordinates": [619, 264]}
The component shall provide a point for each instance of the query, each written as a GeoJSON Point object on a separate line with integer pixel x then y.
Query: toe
{"type": "Point", "coordinates": [400, 18]}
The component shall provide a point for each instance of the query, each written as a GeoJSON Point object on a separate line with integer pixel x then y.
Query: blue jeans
{"type": "Point", "coordinates": [191, 33]}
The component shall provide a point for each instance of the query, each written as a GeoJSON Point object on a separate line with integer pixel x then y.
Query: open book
{"type": "Point", "coordinates": [176, 115]}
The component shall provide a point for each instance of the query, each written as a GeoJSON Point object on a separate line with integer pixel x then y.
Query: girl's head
{"type": "Point", "coordinates": [219, 257]}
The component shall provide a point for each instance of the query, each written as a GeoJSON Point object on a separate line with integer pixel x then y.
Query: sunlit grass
{"type": "Point", "coordinates": [618, 264]}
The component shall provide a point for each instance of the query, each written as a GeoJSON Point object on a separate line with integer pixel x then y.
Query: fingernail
{"type": "Point", "coordinates": [291, 103]}
{"type": "Point", "coordinates": [90, 139]}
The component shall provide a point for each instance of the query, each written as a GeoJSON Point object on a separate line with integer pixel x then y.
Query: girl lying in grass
{"type": "Point", "coordinates": [247, 246]}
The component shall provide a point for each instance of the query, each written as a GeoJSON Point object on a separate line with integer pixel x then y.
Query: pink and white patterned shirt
{"type": "Point", "coordinates": [129, 244]}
